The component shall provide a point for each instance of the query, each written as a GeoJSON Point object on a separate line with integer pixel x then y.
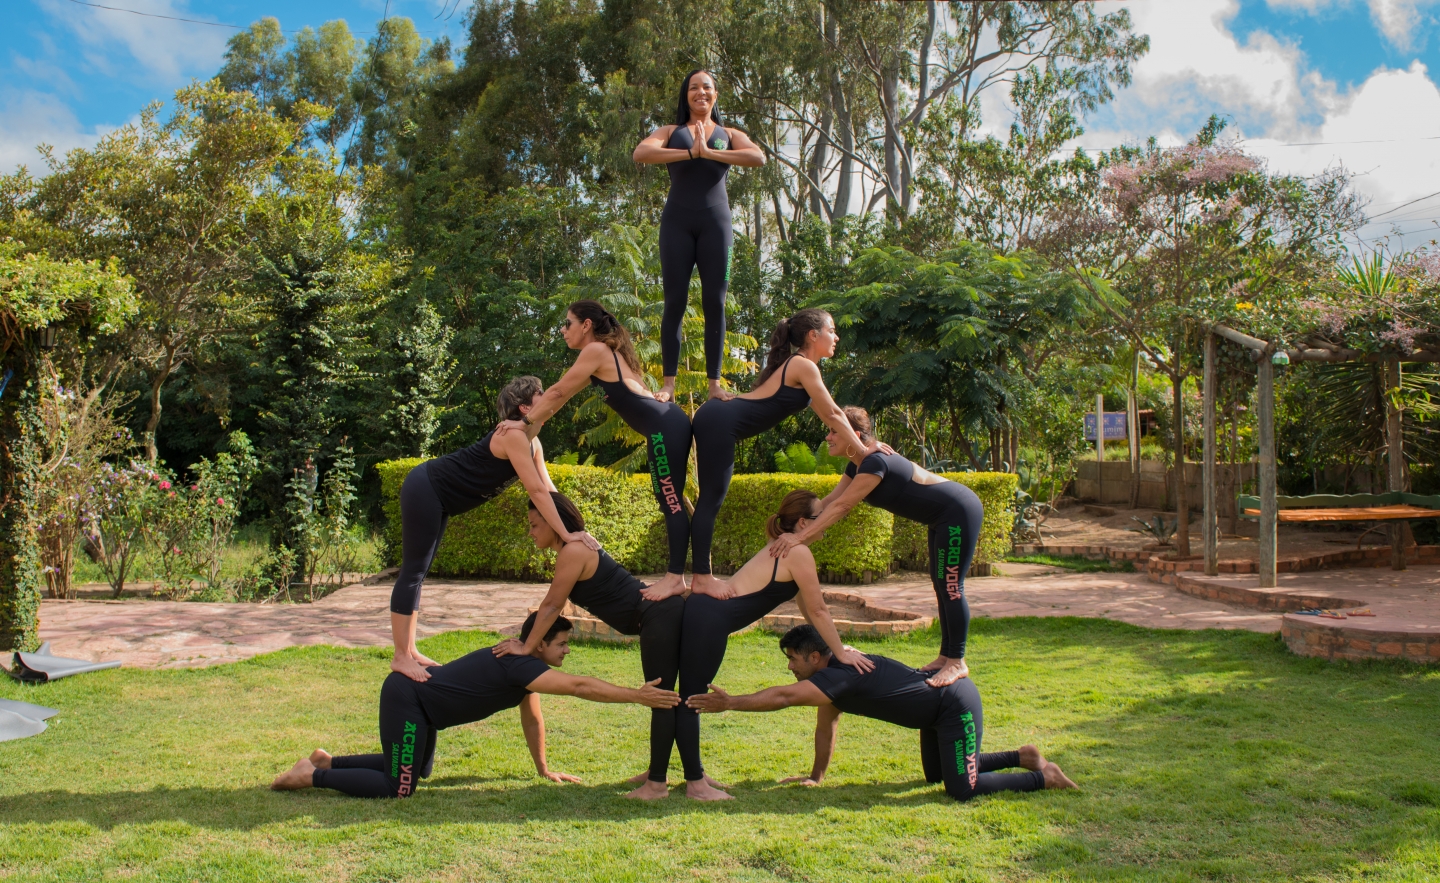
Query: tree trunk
{"type": "Point", "coordinates": [1182, 503]}
{"type": "Point", "coordinates": [1132, 420]}
{"type": "Point", "coordinates": [157, 384]}
{"type": "Point", "coordinates": [1394, 460]}
{"type": "Point", "coordinates": [818, 158]}
{"type": "Point", "coordinates": [890, 96]}
{"type": "Point", "coordinates": [844, 126]}
{"type": "Point", "coordinates": [19, 472]}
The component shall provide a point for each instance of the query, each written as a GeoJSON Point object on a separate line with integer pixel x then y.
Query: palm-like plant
{"type": "Point", "coordinates": [624, 275]}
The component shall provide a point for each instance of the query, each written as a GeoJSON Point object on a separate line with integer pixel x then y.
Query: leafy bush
{"type": "Point", "coordinates": [996, 491]}
{"type": "Point", "coordinates": [620, 511]}
{"type": "Point", "coordinates": [799, 459]}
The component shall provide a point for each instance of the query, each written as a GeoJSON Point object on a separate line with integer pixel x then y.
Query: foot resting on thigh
{"type": "Point", "coordinates": [708, 584]}
{"type": "Point", "coordinates": [719, 392]}
{"type": "Point", "coordinates": [1031, 758]}
{"type": "Point", "coordinates": [952, 671]}
{"type": "Point", "coordinates": [301, 775]}
{"type": "Point", "coordinates": [408, 667]}
{"type": "Point", "coordinates": [1054, 778]}
{"type": "Point", "coordinates": [425, 661]}
{"type": "Point", "coordinates": [938, 664]}
{"type": "Point", "coordinates": [320, 758]}
{"type": "Point", "coordinates": [670, 584]}
{"type": "Point", "coordinates": [666, 392]}
{"type": "Point", "coordinates": [701, 789]}
{"type": "Point", "coordinates": [650, 791]}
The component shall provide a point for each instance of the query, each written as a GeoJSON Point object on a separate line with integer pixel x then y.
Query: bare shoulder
{"type": "Point", "coordinates": [663, 133]}
{"type": "Point", "coordinates": [800, 561]}
{"type": "Point", "coordinates": [803, 368]}
{"type": "Point", "coordinates": [595, 351]}
{"type": "Point", "coordinates": [575, 553]}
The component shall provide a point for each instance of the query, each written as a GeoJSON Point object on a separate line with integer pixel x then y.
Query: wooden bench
{"type": "Point", "coordinates": [1392, 506]}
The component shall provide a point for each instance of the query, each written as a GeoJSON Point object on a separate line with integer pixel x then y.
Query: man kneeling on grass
{"type": "Point", "coordinates": [948, 718]}
{"type": "Point", "coordinates": [469, 689]}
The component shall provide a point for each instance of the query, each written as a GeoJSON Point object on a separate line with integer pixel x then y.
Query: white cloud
{"type": "Point", "coordinates": [34, 118]}
{"type": "Point", "coordinates": [141, 48]}
{"type": "Point", "coordinates": [1399, 20]}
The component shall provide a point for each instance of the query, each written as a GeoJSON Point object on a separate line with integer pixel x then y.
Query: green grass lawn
{"type": "Point", "coordinates": [1202, 756]}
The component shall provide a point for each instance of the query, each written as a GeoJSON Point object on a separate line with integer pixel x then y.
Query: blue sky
{"type": "Point", "coordinates": [1308, 84]}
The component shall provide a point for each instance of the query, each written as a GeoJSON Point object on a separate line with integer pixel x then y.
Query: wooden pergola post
{"type": "Point", "coordinates": [1207, 473]}
{"type": "Point", "coordinates": [1395, 455]}
{"type": "Point", "coordinates": [1269, 510]}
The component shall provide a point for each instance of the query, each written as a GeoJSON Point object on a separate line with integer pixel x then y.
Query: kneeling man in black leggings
{"type": "Point", "coordinates": [948, 718]}
{"type": "Point", "coordinates": [469, 689]}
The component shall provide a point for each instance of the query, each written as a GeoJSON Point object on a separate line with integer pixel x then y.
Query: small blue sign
{"type": "Point", "coordinates": [1114, 426]}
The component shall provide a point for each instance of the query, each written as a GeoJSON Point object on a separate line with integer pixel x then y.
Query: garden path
{"type": "Point", "coordinates": [169, 634]}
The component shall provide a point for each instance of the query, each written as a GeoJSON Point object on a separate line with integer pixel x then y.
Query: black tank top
{"type": "Point", "coordinates": [697, 183]}
{"type": "Point", "coordinates": [750, 417]}
{"type": "Point", "coordinates": [468, 477]}
{"type": "Point", "coordinates": [639, 412]}
{"type": "Point", "coordinates": [612, 595]}
{"type": "Point", "coordinates": [776, 592]}
{"type": "Point", "coordinates": [899, 494]}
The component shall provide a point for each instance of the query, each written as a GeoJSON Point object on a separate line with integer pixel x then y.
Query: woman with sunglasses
{"type": "Point", "coordinates": [607, 359]}
{"type": "Point", "coordinates": [695, 231]}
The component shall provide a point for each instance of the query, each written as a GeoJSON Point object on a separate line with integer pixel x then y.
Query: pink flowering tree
{"type": "Point", "coordinates": [1176, 238]}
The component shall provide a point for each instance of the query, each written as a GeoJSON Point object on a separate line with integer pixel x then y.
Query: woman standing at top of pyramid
{"type": "Point", "coordinates": [695, 230]}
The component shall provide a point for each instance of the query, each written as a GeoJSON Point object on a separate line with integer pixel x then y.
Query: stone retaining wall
{"type": "Point", "coordinates": [1331, 639]}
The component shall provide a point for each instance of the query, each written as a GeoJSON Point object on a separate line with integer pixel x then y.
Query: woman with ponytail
{"type": "Point", "coordinates": [950, 510]}
{"type": "Point", "coordinates": [752, 594]}
{"type": "Point", "coordinates": [607, 359]}
{"type": "Point", "coordinates": [791, 381]}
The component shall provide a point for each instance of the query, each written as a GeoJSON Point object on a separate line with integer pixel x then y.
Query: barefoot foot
{"type": "Point", "coordinates": [408, 667]}
{"type": "Point", "coordinates": [938, 664]}
{"type": "Point", "coordinates": [425, 661]}
{"type": "Point", "coordinates": [707, 584]}
{"type": "Point", "coordinates": [714, 784]}
{"type": "Point", "coordinates": [700, 789]}
{"type": "Point", "coordinates": [320, 758]}
{"type": "Point", "coordinates": [719, 392]}
{"type": "Point", "coordinates": [1031, 758]}
{"type": "Point", "coordinates": [650, 791]}
{"type": "Point", "coordinates": [639, 778]}
{"type": "Point", "coordinates": [666, 392]}
{"type": "Point", "coordinates": [953, 670]}
{"type": "Point", "coordinates": [1054, 778]}
{"type": "Point", "coordinates": [299, 776]}
{"type": "Point", "coordinates": [669, 585]}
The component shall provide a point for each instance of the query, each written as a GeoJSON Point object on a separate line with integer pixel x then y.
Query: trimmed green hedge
{"type": "Point", "coordinates": [996, 491]}
{"type": "Point", "coordinates": [620, 511]}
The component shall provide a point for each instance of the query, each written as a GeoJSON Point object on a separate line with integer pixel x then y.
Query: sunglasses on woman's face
{"type": "Point", "coordinates": [566, 324]}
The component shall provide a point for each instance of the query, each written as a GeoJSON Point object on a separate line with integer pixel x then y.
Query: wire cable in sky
{"type": "Point", "coordinates": [1402, 205]}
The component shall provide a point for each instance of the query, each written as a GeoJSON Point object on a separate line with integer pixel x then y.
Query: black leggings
{"type": "Point", "coordinates": [952, 548]}
{"type": "Point", "coordinates": [407, 746]}
{"type": "Point", "coordinates": [422, 524]}
{"type": "Point", "coordinates": [693, 239]}
{"type": "Point", "coordinates": [659, 625]}
{"type": "Point", "coordinates": [667, 448]}
{"type": "Point", "coordinates": [950, 753]}
{"type": "Point", "coordinates": [703, 639]}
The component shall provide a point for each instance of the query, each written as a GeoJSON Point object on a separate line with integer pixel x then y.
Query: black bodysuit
{"type": "Point", "coordinates": [433, 492]}
{"type": "Point", "coordinates": [719, 426]}
{"type": "Point", "coordinates": [666, 429]}
{"type": "Point", "coordinates": [703, 638]}
{"type": "Point", "coordinates": [953, 514]}
{"type": "Point", "coordinates": [695, 233]}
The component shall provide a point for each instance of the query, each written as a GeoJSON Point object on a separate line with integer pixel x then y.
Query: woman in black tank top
{"type": "Point", "coordinates": [951, 512]}
{"type": "Point", "coordinates": [438, 489]}
{"type": "Point", "coordinates": [791, 381]}
{"type": "Point", "coordinates": [605, 352]}
{"type": "Point", "coordinates": [756, 589]}
{"type": "Point", "coordinates": [695, 231]}
{"type": "Point", "coordinates": [593, 580]}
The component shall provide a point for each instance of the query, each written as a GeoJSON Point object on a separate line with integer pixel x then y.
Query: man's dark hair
{"type": "Point", "coordinates": [561, 624]}
{"type": "Point", "coordinates": [804, 640]}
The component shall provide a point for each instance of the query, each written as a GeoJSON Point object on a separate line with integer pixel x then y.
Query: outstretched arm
{"type": "Point", "coordinates": [549, 402]}
{"type": "Point", "coordinates": [533, 723]}
{"type": "Point", "coordinates": [824, 405]}
{"type": "Point", "coordinates": [569, 565]}
{"type": "Point", "coordinates": [529, 462]}
{"type": "Point", "coordinates": [596, 690]}
{"type": "Point", "coordinates": [859, 488]}
{"type": "Point", "coordinates": [827, 730]}
{"type": "Point", "coordinates": [770, 699]}
{"type": "Point", "coordinates": [811, 600]}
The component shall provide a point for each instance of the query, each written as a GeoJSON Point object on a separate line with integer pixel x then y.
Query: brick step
{"type": "Point", "coordinates": [1261, 599]}
{"type": "Point", "coordinates": [1350, 639]}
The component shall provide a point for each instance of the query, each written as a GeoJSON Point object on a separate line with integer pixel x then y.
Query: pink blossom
{"type": "Point", "coordinates": [219, 501]}
{"type": "Point", "coordinates": [165, 486]}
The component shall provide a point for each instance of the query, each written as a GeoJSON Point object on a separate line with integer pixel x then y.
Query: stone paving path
{"type": "Point", "coordinates": [164, 634]}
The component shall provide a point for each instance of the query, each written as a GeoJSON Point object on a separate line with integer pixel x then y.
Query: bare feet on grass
{"type": "Point", "coordinates": [1031, 758]}
{"type": "Point", "coordinates": [952, 671]}
{"type": "Point", "coordinates": [1054, 778]}
{"type": "Point", "coordinates": [705, 789]}
{"type": "Point", "coordinates": [320, 758]}
{"type": "Point", "coordinates": [408, 667]}
{"type": "Point", "coordinates": [708, 584]}
{"type": "Point", "coordinates": [301, 775]}
{"type": "Point", "coordinates": [669, 585]}
{"type": "Point", "coordinates": [650, 790]}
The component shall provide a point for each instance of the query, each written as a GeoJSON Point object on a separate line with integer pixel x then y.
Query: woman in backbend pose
{"type": "Point", "coordinates": [607, 359]}
{"type": "Point", "coordinates": [695, 225]}
{"type": "Point", "coordinates": [439, 489]}
{"type": "Point", "coordinates": [594, 581]}
{"type": "Point", "coordinates": [790, 382]}
{"type": "Point", "coordinates": [756, 589]}
{"type": "Point", "coordinates": [951, 511]}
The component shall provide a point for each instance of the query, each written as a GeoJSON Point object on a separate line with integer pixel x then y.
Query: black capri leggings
{"type": "Point", "coordinates": [703, 638]}
{"type": "Point", "coordinates": [952, 548]}
{"type": "Point", "coordinates": [422, 525]}
{"type": "Point", "coordinates": [407, 749]}
{"type": "Point", "coordinates": [693, 239]}
{"type": "Point", "coordinates": [950, 753]}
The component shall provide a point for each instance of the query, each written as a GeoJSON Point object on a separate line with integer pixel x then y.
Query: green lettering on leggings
{"type": "Point", "coordinates": [728, 249]}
